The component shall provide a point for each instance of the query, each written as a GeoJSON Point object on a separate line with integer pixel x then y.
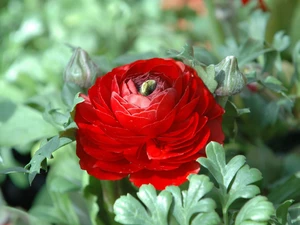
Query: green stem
{"type": "Point", "coordinates": [222, 100]}
{"type": "Point", "coordinates": [217, 35]}
{"type": "Point", "coordinates": [225, 216]}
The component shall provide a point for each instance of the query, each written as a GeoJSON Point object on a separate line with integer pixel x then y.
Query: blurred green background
{"type": "Point", "coordinates": [35, 35]}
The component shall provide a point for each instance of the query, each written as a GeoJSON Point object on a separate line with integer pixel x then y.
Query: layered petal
{"type": "Point", "coordinates": [153, 136]}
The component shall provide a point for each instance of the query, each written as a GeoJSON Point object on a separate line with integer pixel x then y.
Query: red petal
{"type": "Point", "coordinates": [216, 133]}
{"type": "Point", "coordinates": [161, 179]}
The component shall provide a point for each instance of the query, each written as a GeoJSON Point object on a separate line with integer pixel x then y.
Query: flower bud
{"type": "Point", "coordinates": [230, 79]}
{"type": "Point", "coordinates": [81, 70]}
{"type": "Point", "coordinates": [147, 87]}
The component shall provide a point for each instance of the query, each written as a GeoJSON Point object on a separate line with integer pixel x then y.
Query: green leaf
{"type": "Point", "coordinates": [186, 55]}
{"type": "Point", "coordinates": [294, 212]}
{"type": "Point", "coordinates": [43, 153]}
{"type": "Point", "coordinates": [285, 189]}
{"type": "Point", "coordinates": [24, 126]}
{"type": "Point", "coordinates": [129, 210]}
{"type": "Point", "coordinates": [256, 211]}
{"type": "Point", "coordinates": [69, 91]}
{"type": "Point", "coordinates": [13, 170]}
{"type": "Point", "coordinates": [234, 178]}
{"type": "Point", "coordinates": [281, 41]}
{"type": "Point", "coordinates": [20, 217]}
{"type": "Point", "coordinates": [191, 202]}
{"type": "Point", "coordinates": [250, 50]}
{"type": "Point", "coordinates": [273, 84]}
{"type": "Point", "coordinates": [207, 75]}
{"type": "Point", "coordinates": [282, 211]}
{"type": "Point", "coordinates": [7, 110]}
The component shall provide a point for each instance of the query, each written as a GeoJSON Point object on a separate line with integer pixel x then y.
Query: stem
{"type": "Point", "coordinates": [222, 100]}
{"type": "Point", "coordinates": [217, 34]}
{"type": "Point", "coordinates": [225, 216]}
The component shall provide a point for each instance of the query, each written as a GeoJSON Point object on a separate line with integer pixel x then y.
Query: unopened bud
{"type": "Point", "coordinates": [230, 79]}
{"type": "Point", "coordinates": [81, 70]}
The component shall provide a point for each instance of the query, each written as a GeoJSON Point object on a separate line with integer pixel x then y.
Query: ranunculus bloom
{"type": "Point", "coordinates": [150, 119]}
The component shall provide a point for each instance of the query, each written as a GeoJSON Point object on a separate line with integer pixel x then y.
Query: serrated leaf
{"type": "Point", "coordinates": [43, 153]}
{"type": "Point", "coordinates": [216, 164]}
{"type": "Point", "coordinates": [233, 178]}
{"type": "Point", "coordinates": [241, 187]}
{"type": "Point", "coordinates": [190, 202]}
{"type": "Point", "coordinates": [256, 211]}
{"type": "Point", "coordinates": [129, 210]}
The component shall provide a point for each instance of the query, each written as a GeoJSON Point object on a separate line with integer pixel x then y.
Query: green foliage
{"type": "Point", "coordinates": [187, 207]}
{"type": "Point", "coordinates": [256, 211]}
{"type": "Point", "coordinates": [193, 206]}
{"type": "Point", "coordinates": [130, 211]}
{"type": "Point", "coordinates": [189, 202]}
{"type": "Point", "coordinates": [235, 179]}
{"type": "Point", "coordinates": [39, 159]}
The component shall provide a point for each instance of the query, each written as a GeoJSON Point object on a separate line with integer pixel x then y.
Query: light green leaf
{"type": "Point", "coordinates": [241, 187]}
{"type": "Point", "coordinates": [129, 210]}
{"type": "Point", "coordinates": [20, 217]}
{"type": "Point", "coordinates": [281, 41]}
{"type": "Point", "coordinates": [256, 211]}
{"type": "Point", "coordinates": [7, 110]}
{"type": "Point", "coordinates": [24, 126]}
{"type": "Point", "coordinates": [13, 170]}
{"type": "Point", "coordinates": [191, 202]}
{"type": "Point", "coordinates": [234, 178]}
{"type": "Point", "coordinates": [69, 91]}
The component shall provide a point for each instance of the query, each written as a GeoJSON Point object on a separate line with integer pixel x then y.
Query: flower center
{"type": "Point", "coordinates": [147, 87]}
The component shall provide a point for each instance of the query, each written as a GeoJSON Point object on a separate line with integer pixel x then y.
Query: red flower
{"type": "Point", "coordinates": [261, 4]}
{"type": "Point", "coordinates": [150, 119]}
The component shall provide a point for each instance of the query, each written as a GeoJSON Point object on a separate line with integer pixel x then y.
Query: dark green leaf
{"type": "Point", "coordinates": [285, 189]}
{"type": "Point", "coordinates": [282, 211]}
{"type": "Point", "coordinates": [294, 212]}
